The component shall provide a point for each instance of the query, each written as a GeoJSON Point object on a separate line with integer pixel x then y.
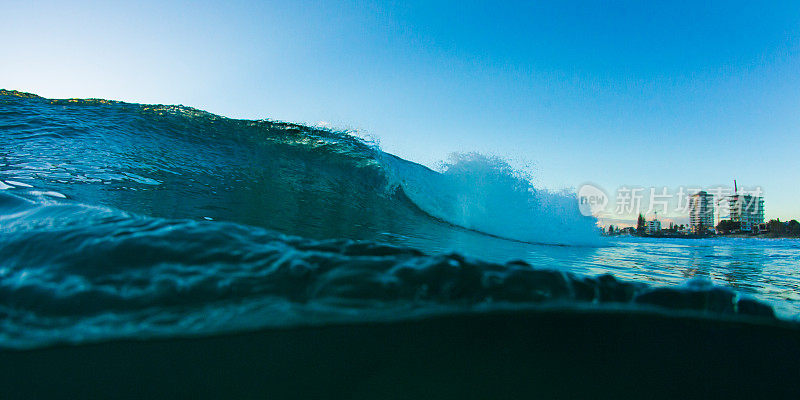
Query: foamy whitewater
{"type": "Point", "coordinates": [123, 220]}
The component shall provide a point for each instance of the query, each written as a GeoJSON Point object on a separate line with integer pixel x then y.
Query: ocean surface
{"type": "Point", "coordinates": [122, 220]}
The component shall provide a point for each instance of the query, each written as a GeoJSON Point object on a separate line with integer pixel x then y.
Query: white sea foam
{"type": "Point", "coordinates": [486, 194]}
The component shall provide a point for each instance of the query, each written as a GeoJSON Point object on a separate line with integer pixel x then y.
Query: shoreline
{"type": "Point", "coordinates": [734, 236]}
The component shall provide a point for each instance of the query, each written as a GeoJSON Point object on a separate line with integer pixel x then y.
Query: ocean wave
{"type": "Point", "coordinates": [123, 220]}
{"type": "Point", "coordinates": [87, 147]}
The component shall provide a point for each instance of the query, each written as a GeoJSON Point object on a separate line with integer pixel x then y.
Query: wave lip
{"type": "Point", "coordinates": [487, 195]}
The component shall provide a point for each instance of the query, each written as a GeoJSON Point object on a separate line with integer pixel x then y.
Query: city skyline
{"type": "Point", "coordinates": [671, 206]}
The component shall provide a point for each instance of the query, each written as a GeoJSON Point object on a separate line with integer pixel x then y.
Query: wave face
{"type": "Point", "coordinates": [129, 220]}
{"type": "Point", "coordinates": [178, 162]}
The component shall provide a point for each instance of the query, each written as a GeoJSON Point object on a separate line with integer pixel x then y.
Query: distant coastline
{"type": "Point", "coordinates": [697, 236]}
{"type": "Point", "coordinates": [774, 229]}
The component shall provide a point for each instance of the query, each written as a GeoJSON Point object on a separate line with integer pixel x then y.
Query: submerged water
{"type": "Point", "coordinates": [130, 220]}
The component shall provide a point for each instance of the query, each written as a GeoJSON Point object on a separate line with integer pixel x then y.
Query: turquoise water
{"type": "Point", "coordinates": [126, 220]}
{"type": "Point", "coordinates": [765, 269]}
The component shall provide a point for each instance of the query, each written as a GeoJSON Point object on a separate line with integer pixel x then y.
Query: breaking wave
{"type": "Point", "coordinates": [129, 220]}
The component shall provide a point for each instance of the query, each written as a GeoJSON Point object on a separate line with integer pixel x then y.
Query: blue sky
{"type": "Point", "coordinates": [614, 93]}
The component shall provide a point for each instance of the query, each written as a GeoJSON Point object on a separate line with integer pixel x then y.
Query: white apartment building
{"type": "Point", "coordinates": [701, 212]}
{"type": "Point", "coordinates": [746, 210]}
{"type": "Point", "coordinates": [653, 226]}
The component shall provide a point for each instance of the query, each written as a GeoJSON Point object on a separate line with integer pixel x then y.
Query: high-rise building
{"type": "Point", "coordinates": [701, 212]}
{"type": "Point", "coordinates": [653, 226]}
{"type": "Point", "coordinates": [747, 211]}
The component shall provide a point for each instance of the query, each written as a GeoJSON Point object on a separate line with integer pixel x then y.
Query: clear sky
{"type": "Point", "coordinates": [639, 93]}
